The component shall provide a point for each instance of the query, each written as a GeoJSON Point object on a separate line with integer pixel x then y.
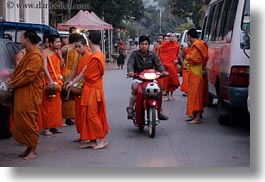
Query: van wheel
{"type": "Point", "coordinates": [211, 98]}
{"type": "Point", "coordinates": [223, 119]}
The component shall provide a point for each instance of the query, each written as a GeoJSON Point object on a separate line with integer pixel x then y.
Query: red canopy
{"type": "Point", "coordinates": [85, 21]}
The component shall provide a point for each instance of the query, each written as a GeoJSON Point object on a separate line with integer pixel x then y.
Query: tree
{"type": "Point", "coordinates": [189, 9]}
{"type": "Point", "coordinates": [112, 11]}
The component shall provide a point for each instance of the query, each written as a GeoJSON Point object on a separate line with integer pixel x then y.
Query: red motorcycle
{"type": "Point", "coordinates": [148, 102]}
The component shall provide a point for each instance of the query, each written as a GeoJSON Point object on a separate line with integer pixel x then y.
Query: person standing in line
{"type": "Point", "coordinates": [27, 83]}
{"type": "Point", "coordinates": [71, 30]}
{"type": "Point", "coordinates": [123, 53]}
{"type": "Point", "coordinates": [157, 46]}
{"type": "Point", "coordinates": [196, 57]}
{"type": "Point", "coordinates": [156, 49]}
{"type": "Point", "coordinates": [185, 70]}
{"type": "Point", "coordinates": [70, 56]}
{"type": "Point", "coordinates": [169, 57]}
{"type": "Point", "coordinates": [94, 117]}
{"type": "Point", "coordinates": [51, 109]}
{"type": "Point", "coordinates": [77, 76]}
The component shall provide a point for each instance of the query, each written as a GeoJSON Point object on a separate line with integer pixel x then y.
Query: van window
{"type": "Point", "coordinates": [213, 32]}
{"type": "Point", "coordinates": [220, 20]}
{"type": "Point", "coordinates": [223, 19]}
{"type": "Point", "coordinates": [209, 23]}
{"type": "Point", "coordinates": [228, 29]}
{"type": "Point", "coordinates": [246, 17]}
{"type": "Point", "coordinates": [10, 33]}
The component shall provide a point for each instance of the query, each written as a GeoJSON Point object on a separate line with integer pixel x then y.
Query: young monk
{"type": "Point", "coordinates": [70, 56]}
{"type": "Point", "coordinates": [51, 108]}
{"type": "Point", "coordinates": [83, 49]}
{"type": "Point", "coordinates": [94, 117]}
{"type": "Point", "coordinates": [198, 54]}
{"type": "Point", "coordinates": [169, 57]}
{"type": "Point", "coordinates": [185, 70]}
{"type": "Point", "coordinates": [27, 82]}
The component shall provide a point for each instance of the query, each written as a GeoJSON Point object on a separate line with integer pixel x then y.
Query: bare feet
{"type": "Point", "coordinates": [195, 121]}
{"type": "Point", "coordinates": [172, 96]}
{"type": "Point", "coordinates": [47, 133]}
{"type": "Point", "coordinates": [25, 153]}
{"type": "Point", "coordinates": [190, 118]}
{"type": "Point", "coordinates": [167, 98]}
{"type": "Point", "coordinates": [90, 144]}
{"type": "Point", "coordinates": [102, 144]}
{"type": "Point", "coordinates": [31, 155]}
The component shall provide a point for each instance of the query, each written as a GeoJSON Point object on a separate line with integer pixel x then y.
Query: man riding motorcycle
{"type": "Point", "coordinates": [140, 60]}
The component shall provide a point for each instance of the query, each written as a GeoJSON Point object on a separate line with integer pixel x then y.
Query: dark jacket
{"type": "Point", "coordinates": [137, 63]}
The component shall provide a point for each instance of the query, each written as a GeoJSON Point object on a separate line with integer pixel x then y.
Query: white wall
{"type": "Point", "coordinates": [32, 13]}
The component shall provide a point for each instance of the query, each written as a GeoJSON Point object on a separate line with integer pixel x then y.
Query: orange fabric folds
{"type": "Point", "coordinates": [28, 86]}
{"type": "Point", "coordinates": [51, 109]}
{"type": "Point", "coordinates": [168, 53]}
{"type": "Point", "coordinates": [78, 109]}
{"type": "Point", "coordinates": [94, 117]}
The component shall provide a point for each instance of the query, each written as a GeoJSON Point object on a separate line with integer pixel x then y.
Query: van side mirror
{"type": "Point", "coordinates": [244, 40]}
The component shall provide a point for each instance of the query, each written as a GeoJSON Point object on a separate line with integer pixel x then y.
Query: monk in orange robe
{"type": "Point", "coordinates": [157, 46]}
{"type": "Point", "coordinates": [70, 56]}
{"type": "Point", "coordinates": [94, 117]}
{"type": "Point", "coordinates": [196, 57]}
{"type": "Point", "coordinates": [27, 83]}
{"type": "Point", "coordinates": [169, 57]}
{"type": "Point", "coordinates": [51, 108]}
{"type": "Point", "coordinates": [83, 49]}
{"type": "Point", "coordinates": [185, 70]}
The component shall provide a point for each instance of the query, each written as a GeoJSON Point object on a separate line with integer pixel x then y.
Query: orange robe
{"type": "Point", "coordinates": [68, 107]}
{"type": "Point", "coordinates": [28, 86]}
{"type": "Point", "coordinates": [168, 53]}
{"type": "Point", "coordinates": [197, 55]}
{"type": "Point", "coordinates": [51, 108]}
{"type": "Point", "coordinates": [185, 73]}
{"type": "Point", "coordinates": [94, 116]}
{"type": "Point", "coordinates": [156, 49]}
{"type": "Point", "coordinates": [78, 111]}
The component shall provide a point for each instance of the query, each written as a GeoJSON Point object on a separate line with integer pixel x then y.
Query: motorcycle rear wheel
{"type": "Point", "coordinates": [152, 122]}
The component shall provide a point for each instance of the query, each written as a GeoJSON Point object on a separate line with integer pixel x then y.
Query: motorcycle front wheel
{"type": "Point", "coordinates": [152, 122]}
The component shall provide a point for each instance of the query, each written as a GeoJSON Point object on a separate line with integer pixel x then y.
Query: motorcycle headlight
{"type": "Point", "coordinates": [149, 76]}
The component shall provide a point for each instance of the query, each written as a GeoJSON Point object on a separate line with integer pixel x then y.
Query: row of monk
{"type": "Point", "coordinates": [35, 109]}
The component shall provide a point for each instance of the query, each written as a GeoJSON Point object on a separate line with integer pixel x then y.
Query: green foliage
{"type": "Point", "coordinates": [112, 11]}
{"type": "Point", "coordinates": [189, 8]}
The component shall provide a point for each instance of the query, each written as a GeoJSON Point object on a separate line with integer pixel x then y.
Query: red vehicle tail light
{"type": "Point", "coordinates": [239, 76]}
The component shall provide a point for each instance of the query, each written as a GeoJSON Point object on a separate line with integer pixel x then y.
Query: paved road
{"type": "Point", "coordinates": [177, 144]}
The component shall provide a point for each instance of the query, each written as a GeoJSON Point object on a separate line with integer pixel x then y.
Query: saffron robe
{"type": "Point", "coordinates": [28, 84]}
{"type": "Point", "coordinates": [78, 111]}
{"type": "Point", "coordinates": [197, 55]}
{"type": "Point", "coordinates": [51, 109]}
{"type": "Point", "coordinates": [168, 53]}
{"type": "Point", "coordinates": [185, 71]}
{"type": "Point", "coordinates": [71, 59]}
{"type": "Point", "coordinates": [94, 117]}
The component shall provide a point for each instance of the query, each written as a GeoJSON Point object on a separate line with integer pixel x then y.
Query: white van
{"type": "Point", "coordinates": [226, 29]}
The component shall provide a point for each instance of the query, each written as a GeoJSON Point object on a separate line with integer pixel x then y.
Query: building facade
{"type": "Point", "coordinates": [30, 11]}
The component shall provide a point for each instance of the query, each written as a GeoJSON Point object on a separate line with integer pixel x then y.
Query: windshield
{"type": "Point", "coordinates": [246, 17]}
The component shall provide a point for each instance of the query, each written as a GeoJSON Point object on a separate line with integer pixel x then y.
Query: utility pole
{"type": "Point", "coordinates": [160, 20]}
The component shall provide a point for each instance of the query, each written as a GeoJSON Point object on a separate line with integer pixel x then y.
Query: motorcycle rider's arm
{"type": "Point", "coordinates": [130, 65]}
